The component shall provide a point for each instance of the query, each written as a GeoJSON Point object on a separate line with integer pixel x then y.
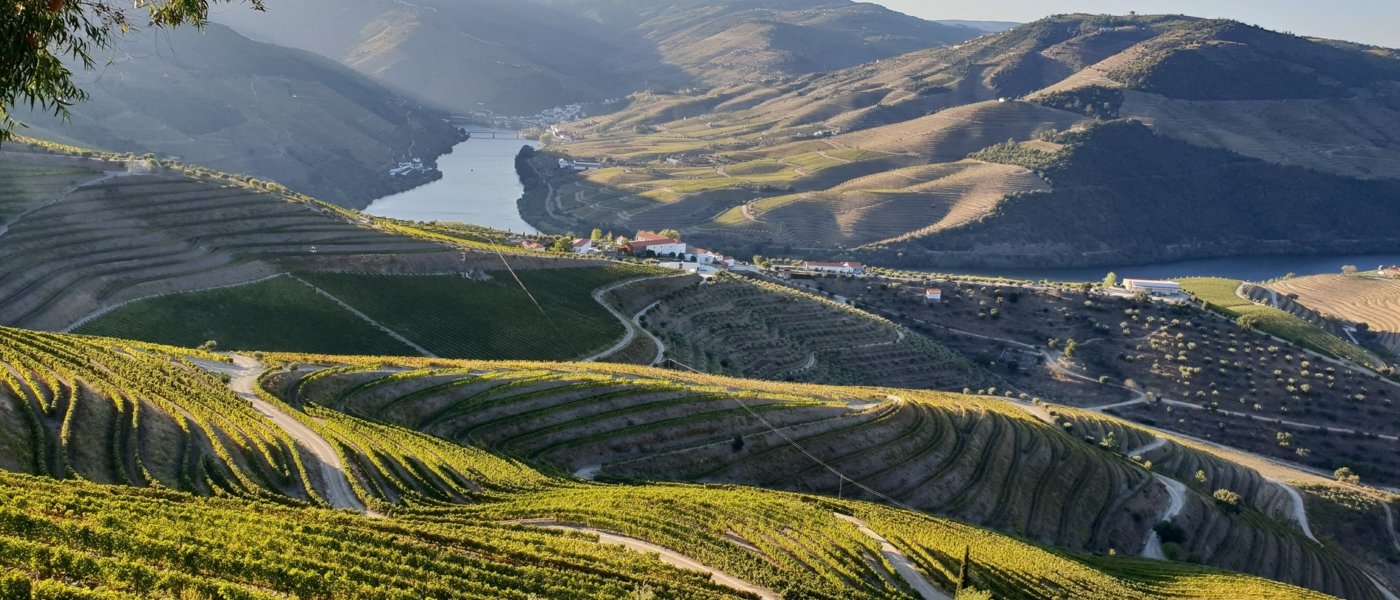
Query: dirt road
{"type": "Point", "coordinates": [1176, 491]}
{"type": "Point", "coordinates": [666, 555]}
{"type": "Point", "coordinates": [632, 324]}
{"type": "Point", "coordinates": [902, 565]}
{"type": "Point", "coordinates": [244, 373]}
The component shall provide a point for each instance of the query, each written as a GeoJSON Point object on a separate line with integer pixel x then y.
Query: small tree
{"type": "Point", "coordinates": [1227, 498]}
{"type": "Point", "coordinates": [562, 244]}
{"type": "Point", "coordinates": [1201, 475]}
{"type": "Point", "coordinates": [1110, 280]}
{"type": "Point", "coordinates": [1345, 475]}
{"type": "Point", "coordinates": [1071, 347]}
{"type": "Point", "coordinates": [597, 234]}
{"type": "Point", "coordinates": [671, 233]}
{"type": "Point", "coordinates": [1349, 269]}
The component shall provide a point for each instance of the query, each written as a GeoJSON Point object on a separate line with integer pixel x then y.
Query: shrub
{"type": "Point", "coordinates": [1227, 498]}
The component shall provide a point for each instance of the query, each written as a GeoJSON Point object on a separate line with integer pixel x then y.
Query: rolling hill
{"type": "Point", "coordinates": [1152, 138]}
{"type": "Point", "coordinates": [1371, 304]}
{"type": "Point", "coordinates": [165, 252]}
{"type": "Point", "coordinates": [218, 99]}
{"type": "Point", "coordinates": [179, 501]}
{"type": "Point", "coordinates": [522, 57]}
{"type": "Point", "coordinates": [983, 460]}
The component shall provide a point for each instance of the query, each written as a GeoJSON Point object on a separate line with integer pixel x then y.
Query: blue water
{"type": "Point", "coordinates": [478, 186]}
{"type": "Point", "coordinates": [1250, 268]}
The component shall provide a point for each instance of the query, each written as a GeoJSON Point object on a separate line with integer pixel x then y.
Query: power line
{"type": "Point", "coordinates": [841, 476]}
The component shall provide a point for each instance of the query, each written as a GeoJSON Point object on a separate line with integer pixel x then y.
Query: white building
{"type": "Point", "coordinates": [658, 244]}
{"type": "Point", "coordinates": [933, 295]}
{"type": "Point", "coordinates": [583, 246]}
{"type": "Point", "coordinates": [704, 271]}
{"type": "Point", "coordinates": [1152, 287]}
{"type": "Point", "coordinates": [843, 268]}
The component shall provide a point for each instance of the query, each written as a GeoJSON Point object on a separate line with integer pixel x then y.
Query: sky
{"type": "Point", "coordinates": [1366, 21]}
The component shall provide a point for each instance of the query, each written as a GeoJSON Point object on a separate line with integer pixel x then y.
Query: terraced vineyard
{"type": "Point", "coordinates": [1370, 300]}
{"type": "Point", "coordinates": [548, 314]}
{"type": "Point", "coordinates": [457, 521]}
{"type": "Point", "coordinates": [1220, 293]}
{"type": "Point", "coordinates": [120, 236]}
{"type": "Point", "coordinates": [749, 328]}
{"type": "Point", "coordinates": [277, 314]}
{"type": "Point", "coordinates": [982, 461]}
{"type": "Point", "coordinates": [126, 413]}
{"type": "Point", "coordinates": [1245, 540]}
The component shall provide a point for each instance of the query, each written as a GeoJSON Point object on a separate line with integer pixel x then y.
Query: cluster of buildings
{"type": "Point", "coordinates": [661, 246]}
{"type": "Point", "coordinates": [1392, 272]}
{"type": "Point", "coordinates": [579, 165]}
{"type": "Point", "coordinates": [541, 120]}
{"type": "Point", "coordinates": [406, 169]}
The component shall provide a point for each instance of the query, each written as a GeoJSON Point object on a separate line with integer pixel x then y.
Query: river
{"type": "Point", "coordinates": [478, 186]}
{"type": "Point", "coordinates": [1249, 268]}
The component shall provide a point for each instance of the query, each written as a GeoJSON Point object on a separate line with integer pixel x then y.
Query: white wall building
{"type": "Point", "coordinates": [843, 268]}
{"type": "Point", "coordinates": [1152, 287]}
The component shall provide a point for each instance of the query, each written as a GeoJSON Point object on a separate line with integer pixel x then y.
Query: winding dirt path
{"type": "Point", "coordinates": [660, 345]}
{"type": "Point", "coordinates": [1176, 491]}
{"type": "Point", "coordinates": [632, 324]}
{"type": "Point", "coordinates": [902, 565]}
{"type": "Point", "coordinates": [1300, 510]}
{"type": "Point", "coordinates": [666, 555]}
{"type": "Point", "coordinates": [243, 374]}
{"type": "Point", "coordinates": [1390, 525]}
{"type": "Point", "coordinates": [1153, 445]}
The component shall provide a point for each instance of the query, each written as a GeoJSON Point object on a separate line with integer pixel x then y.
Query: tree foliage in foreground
{"type": "Point", "coordinates": [37, 35]}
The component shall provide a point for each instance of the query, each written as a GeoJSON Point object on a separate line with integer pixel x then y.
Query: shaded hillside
{"type": "Point", "coordinates": [522, 57]}
{"type": "Point", "coordinates": [218, 99]}
{"type": "Point", "coordinates": [1118, 189]}
{"type": "Point", "coordinates": [82, 235]}
{"type": "Point", "coordinates": [1254, 126]}
{"type": "Point", "coordinates": [749, 40]}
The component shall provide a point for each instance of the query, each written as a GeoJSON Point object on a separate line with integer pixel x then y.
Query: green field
{"type": "Point", "coordinates": [278, 314]}
{"type": "Point", "coordinates": [463, 318]}
{"type": "Point", "coordinates": [1220, 293]}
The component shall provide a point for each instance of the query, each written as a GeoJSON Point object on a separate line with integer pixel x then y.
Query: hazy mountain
{"type": "Point", "coordinates": [987, 26]}
{"type": "Point", "coordinates": [216, 98]}
{"type": "Point", "coordinates": [520, 57]}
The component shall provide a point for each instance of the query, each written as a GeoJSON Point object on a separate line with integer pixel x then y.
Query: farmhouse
{"type": "Point", "coordinates": [843, 268]}
{"type": "Point", "coordinates": [1393, 272]}
{"type": "Point", "coordinates": [1153, 287]}
{"type": "Point", "coordinates": [532, 245]}
{"type": "Point", "coordinates": [704, 257]}
{"type": "Point", "coordinates": [933, 295]}
{"type": "Point", "coordinates": [659, 244]}
{"type": "Point", "coordinates": [583, 245]}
